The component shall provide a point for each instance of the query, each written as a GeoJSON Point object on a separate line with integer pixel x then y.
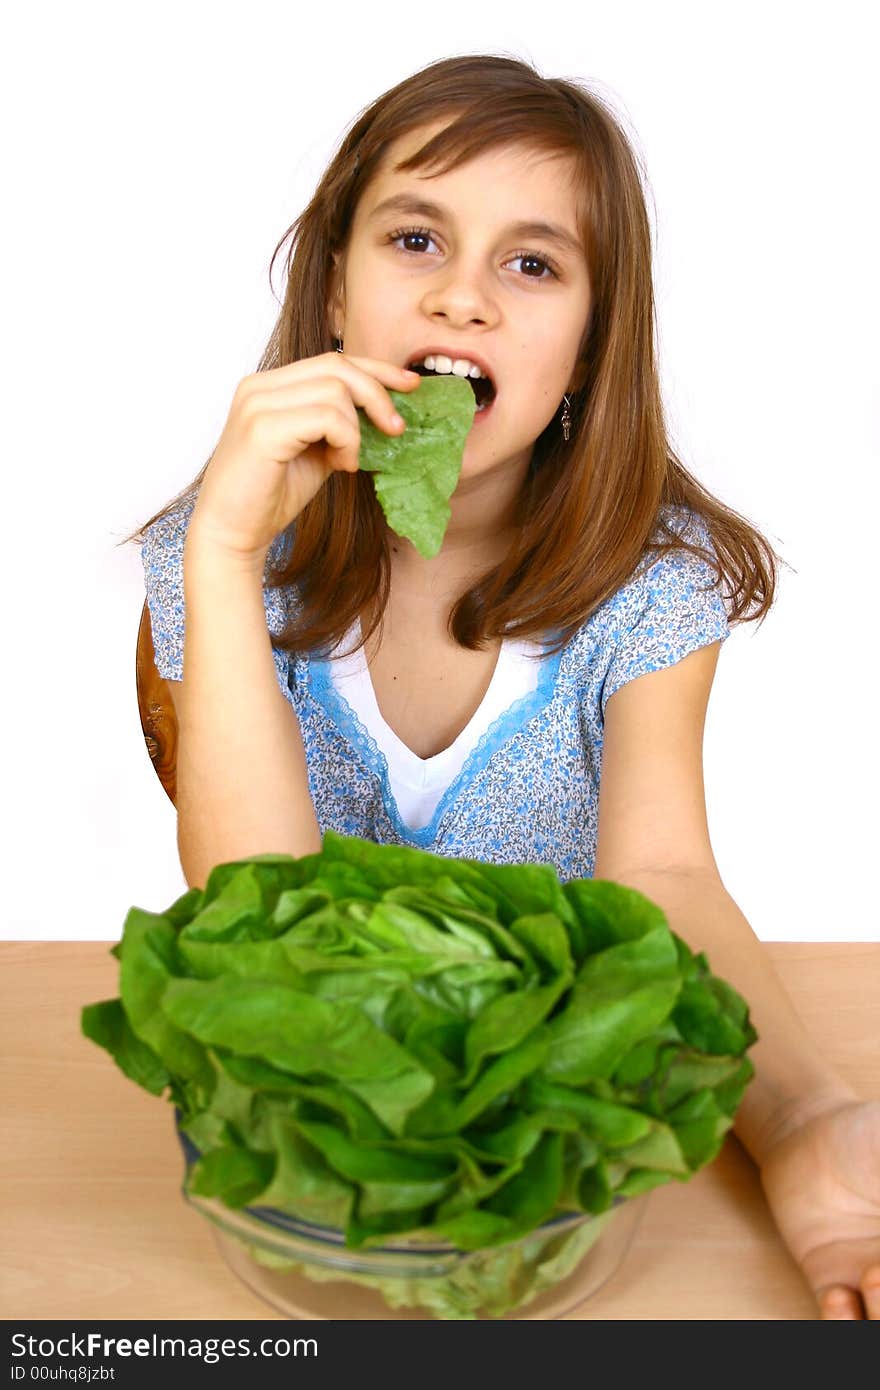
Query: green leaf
{"type": "Point", "coordinates": [238, 907]}
{"type": "Point", "coordinates": [184, 909]}
{"type": "Point", "coordinates": [505, 1021]}
{"type": "Point", "coordinates": [532, 890]}
{"type": "Point", "coordinates": [415, 473]}
{"type": "Point", "coordinates": [208, 1131]}
{"type": "Point", "coordinates": [531, 1196]}
{"type": "Point", "coordinates": [547, 941]}
{"type": "Point", "coordinates": [476, 1229]}
{"type": "Point", "coordinates": [466, 988]}
{"type": "Point", "coordinates": [595, 1190]}
{"type": "Point", "coordinates": [489, 938]}
{"type": "Point", "coordinates": [474, 1187]}
{"type": "Point", "coordinates": [621, 995]}
{"type": "Point", "coordinates": [387, 1181]}
{"type": "Point", "coordinates": [390, 866]}
{"type": "Point", "coordinates": [373, 1163]}
{"type": "Point", "coordinates": [609, 913]}
{"type": "Point", "coordinates": [233, 1174]}
{"type": "Point", "coordinates": [394, 927]}
{"type": "Point", "coordinates": [302, 1184]}
{"type": "Point", "coordinates": [360, 1121]}
{"type": "Point", "coordinates": [107, 1025]}
{"type": "Point", "coordinates": [643, 1059]}
{"type": "Point", "coordinates": [691, 1071]}
{"type": "Point", "coordinates": [250, 960]}
{"type": "Point", "coordinates": [703, 1020]}
{"type": "Point", "coordinates": [271, 873]}
{"type": "Point", "coordinates": [149, 958]}
{"type": "Point", "coordinates": [503, 1075]}
{"type": "Point", "coordinates": [462, 930]}
{"type": "Point", "coordinates": [729, 1092]}
{"type": "Point", "coordinates": [660, 1149]}
{"type": "Point", "coordinates": [613, 1125]}
{"type": "Point", "coordinates": [639, 1180]}
{"type": "Point", "coordinates": [294, 1031]}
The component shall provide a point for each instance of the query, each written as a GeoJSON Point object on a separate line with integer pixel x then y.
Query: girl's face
{"type": "Point", "coordinates": [463, 276]}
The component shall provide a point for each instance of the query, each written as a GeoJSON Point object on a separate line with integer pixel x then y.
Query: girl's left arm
{"type": "Point", "coordinates": [823, 1187]}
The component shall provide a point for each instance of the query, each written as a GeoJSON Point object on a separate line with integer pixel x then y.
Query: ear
{"type": "Point", "coordinates": [336, 296]}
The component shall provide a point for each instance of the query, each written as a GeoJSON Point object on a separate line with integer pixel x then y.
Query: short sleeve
{"type": "Point", "coordinates": [162, 559]}
{"type": "Point", "coordinates": [676, 607]}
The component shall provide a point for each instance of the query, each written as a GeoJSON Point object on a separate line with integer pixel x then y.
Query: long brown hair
{"type": "Point", "coordinates": [588, 508]}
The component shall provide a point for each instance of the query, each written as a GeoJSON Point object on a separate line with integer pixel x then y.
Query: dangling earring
{"type": "Point", "coordinates": [338, 342]}
{"type": "Point", "coordinates": [566, 419]}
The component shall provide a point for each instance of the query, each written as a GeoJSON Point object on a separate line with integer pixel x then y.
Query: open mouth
{"type": "Point", "coordinates": [481, 386]}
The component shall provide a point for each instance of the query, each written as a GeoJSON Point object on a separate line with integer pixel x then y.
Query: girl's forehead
{"type": "Point", "coordinates": [518, 147]}
{"type": "Point", "coordinates": [519, 163]}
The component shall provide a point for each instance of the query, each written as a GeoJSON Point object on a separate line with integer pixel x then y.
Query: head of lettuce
{"type": "Point", "coordinates": [390, 1042]}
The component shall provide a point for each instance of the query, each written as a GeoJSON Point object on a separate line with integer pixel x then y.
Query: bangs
{"type": "Point", "coordinates": [471, 133]}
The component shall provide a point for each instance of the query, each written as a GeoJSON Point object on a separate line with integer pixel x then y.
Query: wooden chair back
{"type": "Point", "coordinates": [158, 720]}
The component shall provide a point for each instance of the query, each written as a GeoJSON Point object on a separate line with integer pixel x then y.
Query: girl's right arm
{"type": "Point", "coordinates": [242, 784]}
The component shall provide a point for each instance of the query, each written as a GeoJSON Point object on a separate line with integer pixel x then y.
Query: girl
{"type": "Point", "coordinates": [537, 691]}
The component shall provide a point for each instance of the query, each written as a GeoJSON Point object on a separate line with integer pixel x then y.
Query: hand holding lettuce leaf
{"type": "Point", "coordinates": [390, 1042]}
{"type": "Point", "coordinates": [415, 473]}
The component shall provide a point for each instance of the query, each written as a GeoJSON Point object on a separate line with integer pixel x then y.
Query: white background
{"type": "Point", "coordinates": [154, 155]}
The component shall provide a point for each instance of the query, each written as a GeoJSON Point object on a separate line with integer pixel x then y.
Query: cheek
{"type": "Point", "coordinates": [371, 295]}
{"type": "Point", "coordinates": [544, 374]}
{"type": "Point", "coordinates": [545, 392]}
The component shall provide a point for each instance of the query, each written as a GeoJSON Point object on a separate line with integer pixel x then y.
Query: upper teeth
{"type": "Point", "coordinates": [460, 367]}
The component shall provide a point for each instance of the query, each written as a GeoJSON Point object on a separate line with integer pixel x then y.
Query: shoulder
{"type": "Point", "coordinates": [163, 540]}
{"type": "Point", "coordinates": [679, 553]}
{"type": "Point", "coordinates": [162, 556]}
{"type": "Point", "coordinates": [671, 604]}
{"type": "Point", "coordinates": [667, 568]}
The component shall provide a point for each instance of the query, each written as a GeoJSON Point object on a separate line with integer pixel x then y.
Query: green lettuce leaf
{"type": "Point", "coordinates": [107, 1025]}
{"type": "Point", "coordinates": [415, 473]}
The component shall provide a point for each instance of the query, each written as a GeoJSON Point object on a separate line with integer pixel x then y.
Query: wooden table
{"type": "Point", "coordinates": [94, 1223]}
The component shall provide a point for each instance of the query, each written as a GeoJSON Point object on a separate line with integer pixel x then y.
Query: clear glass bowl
{"type": "Point", "coordinates": [306, 1271]}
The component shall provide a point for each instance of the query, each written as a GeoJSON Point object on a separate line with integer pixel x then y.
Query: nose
{"type": "Point", "coordinates": [459, 295]}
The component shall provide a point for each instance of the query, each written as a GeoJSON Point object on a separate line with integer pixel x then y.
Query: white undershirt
{"type": "Point", "coordinates": [417, 784]}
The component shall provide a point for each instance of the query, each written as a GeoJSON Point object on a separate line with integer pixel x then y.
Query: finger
{"type": "Point", "coordinates": [338, 364]}
{"type": "Point", "coordinates": [839, 1304]}
{"type": "Point", "coordinates": [378, 366]}
{"type": "Point", "coordinates": [315, 421]}
{"type": "Point", "coordinates": [871, 1292]}
{"type": "Point", "coordinates": [287, 419]}
{"type": "Point", "coordinates": [388, 372]}
{"type": "Point", "coordinates": [331, 377]}
{"type": "Point", "coordinates": [328, 391]}
{"type": "Point", "coordinates": [360, 375]}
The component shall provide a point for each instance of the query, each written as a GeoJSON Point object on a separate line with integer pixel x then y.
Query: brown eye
{"type": "Point", "coordinates": [530, 258]}
{"type": "Point", "coordinates": [410, 234]}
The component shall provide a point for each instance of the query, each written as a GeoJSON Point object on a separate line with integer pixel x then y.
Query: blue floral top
{"type": "Point", "coordinates": [529, 790]}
